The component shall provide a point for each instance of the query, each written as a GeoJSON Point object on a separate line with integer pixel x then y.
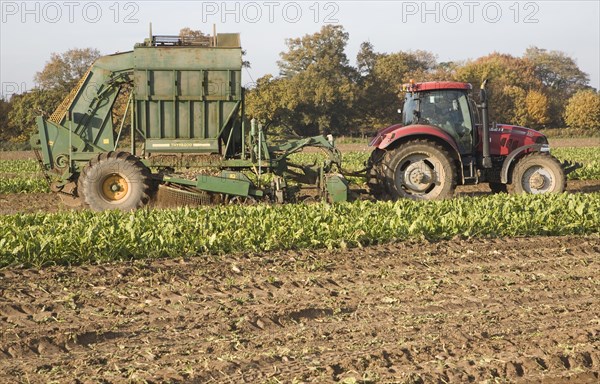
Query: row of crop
{"type": "Point", "coordinates": [23, 184]}
{"type": "Point", "coordinates": [19, 166]}
{"type": "Point", "coordinates": [21, 176]}
{"type": "Point", "coordinates": [87, 237]}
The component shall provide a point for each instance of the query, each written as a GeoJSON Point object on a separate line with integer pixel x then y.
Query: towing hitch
{"type": "Point", "coordinates": [569, 167]}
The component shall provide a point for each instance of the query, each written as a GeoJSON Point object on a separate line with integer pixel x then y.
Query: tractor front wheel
{"type": "Point", "coordinates": [537, 173]}
{"type": "Point", "coordinates": [115, 180]}
{"type": "Point", "coordinates": [419, 170]}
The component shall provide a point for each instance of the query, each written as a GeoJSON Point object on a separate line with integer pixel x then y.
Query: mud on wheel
{"type": "Point", "coordinates": [420, 170]}
{"type": "Point", "coordinates": [115, 180]}
{"type": "Point", "coordinates": [536, 173]}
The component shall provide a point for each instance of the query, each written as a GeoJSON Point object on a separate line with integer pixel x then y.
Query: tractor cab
{"type": "Point", "coordinates": [446, 106]}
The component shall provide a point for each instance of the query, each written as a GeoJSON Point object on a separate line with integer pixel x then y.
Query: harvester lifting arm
{"type": "Point", "coordinates": [102, 97]}
{"type": "Point", "coordinates": [82, 125]}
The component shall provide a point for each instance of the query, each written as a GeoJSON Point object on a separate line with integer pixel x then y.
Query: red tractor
{"type": "Point", "coordinates": [441, 143]}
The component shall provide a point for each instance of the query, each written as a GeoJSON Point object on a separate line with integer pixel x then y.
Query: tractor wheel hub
{"type": "Point", "coordinates": [418, 177]}
{"type": "Point", "coordinates": [537, 181]}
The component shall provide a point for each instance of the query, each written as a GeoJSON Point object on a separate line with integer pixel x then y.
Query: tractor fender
{"type": "Point", "coordinates": [517, 152]}
{"type": "Point", "coordinates": [398, 133]}
{"type": "Point", "coordinates": [390, 135]}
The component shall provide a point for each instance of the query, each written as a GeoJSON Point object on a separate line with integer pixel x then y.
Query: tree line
{"type": "Point", "coordinates": [318, 90]}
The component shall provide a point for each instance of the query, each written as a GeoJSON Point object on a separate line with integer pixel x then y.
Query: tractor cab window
{"type": "Point", "coordinates": [410, 110]}
{"type": "Point", "coordinates": [448, 110]}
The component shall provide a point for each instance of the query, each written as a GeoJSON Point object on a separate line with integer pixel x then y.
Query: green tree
{"type": "Point", "coordinates": [317, 89]}
{"type": "Point", "coordinates": [64, 70]}
{"type": "Point", "coordinates": [5, 108]}
{"type": "Point", "coordinates": [377, 101]}
{"type": "Point", "coordinates": [560, 76]}
{"type": "Point", "coordinates": [381, 79]}
{"type": "Point", "coordinates": [556, 70]}
{"type": "Point", "coordinates": [366, 58]}
{"type": "Point", "coordinates": [324, 49]}
{"type": "Point", "coordinates": [583, 110]}
{"type": "Point", "coordinates": [26, 107]}
{"type": "Point", "coordinates": [268, 102]}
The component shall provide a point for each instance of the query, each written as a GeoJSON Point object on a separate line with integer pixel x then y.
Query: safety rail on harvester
{"type": "Point", "coordinates": [167, 41]}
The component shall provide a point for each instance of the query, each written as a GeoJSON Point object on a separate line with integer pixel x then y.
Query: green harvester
{"type": "Point", "coordinates": [187, 114]}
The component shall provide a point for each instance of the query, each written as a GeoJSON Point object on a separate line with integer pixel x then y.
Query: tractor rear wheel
{"type": "Point", "coordinates": [115, 180]}
{"type": "Point", "coordinates": [419, 170]}
{"type": "Point", "coordinates": [537, 173]}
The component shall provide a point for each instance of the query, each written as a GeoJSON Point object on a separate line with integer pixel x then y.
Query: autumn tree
{"type": "Point", "coordinates": [506, 74]}
{"type": "Point", "coordinates": [188, 32]}
{"type": "Point", "coordinates": [63, 70]}
{"type": "Point", "coordinates": [536, 105]}
{"type": "Point", "coordinates": [527, 108]}
{"type": "Point", "coordinates": [583, 111]}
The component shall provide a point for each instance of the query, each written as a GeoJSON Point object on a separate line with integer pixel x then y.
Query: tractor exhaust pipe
{"type": "Point", "coordinates": [485, 129]}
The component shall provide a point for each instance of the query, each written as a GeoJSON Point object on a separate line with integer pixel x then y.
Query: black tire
{"type": "Point", "coordinates": [115, 180]}
{"type": "Point", "coordinates": [536, 173]}
{"type": "Point", "coordinates": [419, 170]}
{"type": "Point", "coordinates": [498, 188]}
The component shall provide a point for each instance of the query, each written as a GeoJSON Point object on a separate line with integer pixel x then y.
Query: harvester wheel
{"type": "Point", "coordinates": [536, 173]}
{"type": "Point", "coordinates": [115, 180]}
{"type": "Point", "coordinates": [498, 187]}
{"type": "Point", "coordinates": [419, 170]}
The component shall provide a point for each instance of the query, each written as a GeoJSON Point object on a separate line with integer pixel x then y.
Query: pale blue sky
{"type": "Point", "coordinates": [451, 30]}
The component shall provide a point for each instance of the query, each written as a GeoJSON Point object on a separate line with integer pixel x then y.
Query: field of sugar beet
{"type": "Point", "coordinates": [457, 298]}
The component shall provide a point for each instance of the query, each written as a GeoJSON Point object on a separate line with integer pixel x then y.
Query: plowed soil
{"type": "Point", "coordinates": [504, 310]}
